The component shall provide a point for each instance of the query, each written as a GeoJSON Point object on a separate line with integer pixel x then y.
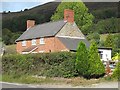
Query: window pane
{"type": "Point", "coordinates": [23, 43]}
{"type": "Point", "coordinates": [34, 42]}
{"type": "Point", "coordinates": [42, 41]}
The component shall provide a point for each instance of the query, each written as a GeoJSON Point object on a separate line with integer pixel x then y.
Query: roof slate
{"type": "Point", "coordinates": [72, 43]}
{"type": "Point", "coordinates": [42, 30]}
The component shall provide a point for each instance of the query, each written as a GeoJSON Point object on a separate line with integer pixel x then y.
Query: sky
{"type": "Point", "coordinates": [18, 5]}
{"type": "Point", "coordinates": [15, 5]}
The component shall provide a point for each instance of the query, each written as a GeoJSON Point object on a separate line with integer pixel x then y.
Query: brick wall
{"type": "Point", "coordinates": [52, 44]}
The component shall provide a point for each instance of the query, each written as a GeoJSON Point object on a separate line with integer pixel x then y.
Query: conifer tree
{"type": "Point", "coordinates": [96, 67]}
{"type": "Point", "coordinates": [82, 59]}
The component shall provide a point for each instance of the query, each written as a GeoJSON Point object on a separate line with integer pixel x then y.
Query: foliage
{"type": "Point", "coordinates": [40, 64]}
{"type": "Point", "coordinates": [82, 59]}
{"type": "Point", "coordinates": [116, 73]}
{"type": "Point", "coordinates": [116, 57]}
{"type": "Point", "coordinates": [9, 37]}
{"type": "Point", "coordinates": [83, 18]}
{"type": "Point", "coordinates": [110, 25]}
{"type": "Point", "coordinates": [94, 37]}
{"type": "Point", "coordinates": [109, 42]}
{"type": "Point", "coordinates": [96, 67]}
{"type": "Point", "coordinates": [113, 42]}
{"type": "Point", "coordinates": [105, 13]}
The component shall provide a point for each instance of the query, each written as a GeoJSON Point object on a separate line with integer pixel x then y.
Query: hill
{"type": "Point", "coordinates": [16, 21]}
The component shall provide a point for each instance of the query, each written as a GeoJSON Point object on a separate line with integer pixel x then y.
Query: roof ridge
{"type": "Point", "coordinates": [46, 23]}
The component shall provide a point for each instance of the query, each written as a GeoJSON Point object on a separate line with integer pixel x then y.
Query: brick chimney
{"type": "Point", "coordinates": [30, 23]}
{"type": "Point", "coordinates": [69, 15]}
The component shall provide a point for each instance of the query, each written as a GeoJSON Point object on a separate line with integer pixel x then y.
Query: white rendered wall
{"type": "Point", "coordinates": [106, 54]}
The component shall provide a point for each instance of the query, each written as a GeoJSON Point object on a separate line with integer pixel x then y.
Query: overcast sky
{"type": "Point", "coordinates": [14, 5]}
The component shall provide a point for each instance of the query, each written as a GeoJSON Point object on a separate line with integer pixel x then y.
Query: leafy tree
{"type": "Point", "coordinates": [6, 35]}
{"type": "Point", "coordinates": [83, 18]}
{"type": "Point", "coordinates": [101, 14]}
{"type": "Point", "coordinates": [9, 37]}
{"type": "Point", "coordinates": [94, 37]}
{"type": "Point", "coordinates": [81, 63]}
{"type": "Point", "coordinates": [96, 67]}
{"type": "Point", "coordinates": [116, 57]}
{"type": "Point", "coordinates": [110, 25]}
{"type": "Point", "coordinates": [109, 42]}
{"type": "Point", "coordinates": [117, 40]}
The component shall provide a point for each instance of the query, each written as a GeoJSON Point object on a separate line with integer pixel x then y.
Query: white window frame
{"type": "Point", "coordinates": [42, 41]}
{"type": "Point", "coordinates": [24, 43]}
{"type": "Point", "coordinates": [42, 51]}
{"type": "Point", "coordinates": [33, 41]}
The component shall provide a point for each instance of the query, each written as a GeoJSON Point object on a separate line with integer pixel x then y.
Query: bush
{"type": "Point", "coordinates": [116, 73]}
{"type": "Point", "coordinates": [59, 64]}
{"type": "Point", "coordinates": [66, 69]}
{"type": "Point", "coordinates": [82, 59]}
{"type": "Point", "coordinates": [96, 67]}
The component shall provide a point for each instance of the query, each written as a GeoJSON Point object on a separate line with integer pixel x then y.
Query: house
{"type": "Point", "coordinates": [63, 35]}
{"type": "Point", "coordinates": [105, 53]}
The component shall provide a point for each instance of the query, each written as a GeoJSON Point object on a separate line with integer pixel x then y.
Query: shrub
{"type": "Point", "coordinates": [48, 64]}
{"type": "Point", "coordinates": [82, 59]}
{"type": "Point", "coordinates": [116, 73]}
{"type": "Point", "coordinates": [96, 67]}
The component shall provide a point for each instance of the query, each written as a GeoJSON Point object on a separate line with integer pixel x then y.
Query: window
{"type": "Point", "coordinates": [42, 41]}
{"type": "Point", "coordinates": [23, 43]}
{"type": "Point", "coordinates": [34, 42]}
{"type": "Point", "coordinates": [101, 56]}
{"type": "Point", "coordinates": [41, 51]}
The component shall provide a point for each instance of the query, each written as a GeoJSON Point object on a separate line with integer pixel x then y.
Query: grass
{"type": "Point", "coordinates": [10, 49]}
{"type": "Point", "coordinates": [27, 79]}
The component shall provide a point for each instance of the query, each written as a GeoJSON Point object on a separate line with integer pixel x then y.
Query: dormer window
{"type": "Point", "coordinates": [24, 43]}
{"type": "Point", "coordinates": [33, 41]}
{"type": "Point", "coordinates": [42, 41]}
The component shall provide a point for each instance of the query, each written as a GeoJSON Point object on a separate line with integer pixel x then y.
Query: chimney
{"type": "Point", "coordinates": [69, 15]}
{"type": "Point", "coordinates": [30, 23]}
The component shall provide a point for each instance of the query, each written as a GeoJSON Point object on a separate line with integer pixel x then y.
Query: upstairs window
{"type": "Point", "coordinates": [24, 43]}
{"type": "Point", "coordinates": [42, 41]}
{"type": "Point", "coordinates": [33, 41]}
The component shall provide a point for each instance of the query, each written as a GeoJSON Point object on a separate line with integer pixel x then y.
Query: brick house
{"type": "Point", "coordinates": [63, 35]}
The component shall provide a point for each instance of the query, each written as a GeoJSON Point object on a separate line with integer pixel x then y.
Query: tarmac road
{"type": "Point", "coordinates": [47, 87]}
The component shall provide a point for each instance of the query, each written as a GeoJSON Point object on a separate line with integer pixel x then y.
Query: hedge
{"type": "Point", "coordinates": [60, 64]}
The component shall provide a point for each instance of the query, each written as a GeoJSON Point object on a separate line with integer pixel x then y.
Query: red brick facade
{"type": "Point", "coordinates": [52, 44]}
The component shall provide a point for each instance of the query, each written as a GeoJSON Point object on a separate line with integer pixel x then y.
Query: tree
{"type": "Point", "coordinates": [109, 42]}
{"type": "Point", "coordinates": [83, 18]}
{"type": "Point", "coordinates": [116, 72]}
{"type": "Point", "coordinates": [81, 63]}
{"type": "Point", "coordinates": [6, 36]}
{"type": "Point", "coordinates": [94, 37]}
{"type": "Point", "coordinates": [96, 67]}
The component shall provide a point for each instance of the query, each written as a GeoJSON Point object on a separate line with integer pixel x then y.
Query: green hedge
{"type": "Point", "coordinates": [59, 64]}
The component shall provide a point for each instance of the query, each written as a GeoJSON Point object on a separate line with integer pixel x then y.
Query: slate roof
{"type": "Point", "coordinates": [72, 43]}
{"type": "Point", "coordinates": [42, 30]}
